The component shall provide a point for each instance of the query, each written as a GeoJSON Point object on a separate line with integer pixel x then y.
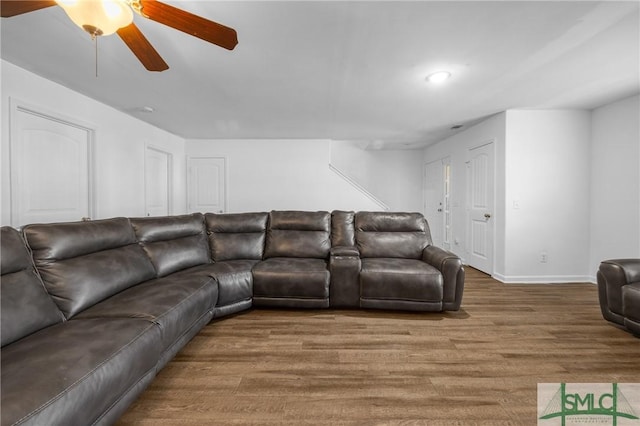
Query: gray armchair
{"type": "Point", "coordinates": [619, 292]}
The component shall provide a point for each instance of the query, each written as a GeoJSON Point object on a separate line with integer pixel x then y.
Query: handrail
{"type": "Point", "coordinates": [359, 187]}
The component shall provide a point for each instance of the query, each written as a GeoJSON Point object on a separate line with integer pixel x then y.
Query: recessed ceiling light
{"type": "Point", "coordinates": [438, 77]}
{"type": "Point", "coordinates": [456, 126]}
{"type": "Point", "coordinates": [147, 109]}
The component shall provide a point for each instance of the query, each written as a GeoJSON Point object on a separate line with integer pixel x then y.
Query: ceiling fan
{"type": "Point", "coordinates": [104, 17]}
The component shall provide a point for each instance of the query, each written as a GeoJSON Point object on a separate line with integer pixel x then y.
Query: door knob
{"type": "Point", "coordinates": [487, 216]}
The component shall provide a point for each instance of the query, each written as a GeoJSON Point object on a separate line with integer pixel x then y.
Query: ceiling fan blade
{"type": "Point", "coordinates": [9, 8]}
{"type": "Point", "coordinates": [140, 46]}
{"type": "Point", "coordinates": [189, 23]}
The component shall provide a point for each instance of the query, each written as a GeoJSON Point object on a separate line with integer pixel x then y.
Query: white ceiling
{"type": "Point", "coordinates": [347, 70]}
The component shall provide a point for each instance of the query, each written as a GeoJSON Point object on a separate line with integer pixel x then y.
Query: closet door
{"type": "Point", "coordinates": [480, 207]}
{"type": "Point", "coordinates": [50, 168]}
{"type": "Point", "coordinates": [206, 184]}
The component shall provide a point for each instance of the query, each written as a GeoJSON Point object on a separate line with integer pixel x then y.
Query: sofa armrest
{"type": "Point", "coordinates": [612, 276]}
{"type": "Point", "coordinates": [452, 270]}
{"type": "Point", "coordinates": [344, 266]}
{"type": "Point", "coordinates": [350, 251]}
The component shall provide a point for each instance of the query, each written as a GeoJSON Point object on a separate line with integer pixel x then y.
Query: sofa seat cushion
{"type": "Point", "coordinates": [293, 278]}
{"type": "Point", "coordinates": [235, 280]}
{"type": "Point", "coordinates": [174, 303]}
{"type": "Point", "coordinates": [235, 283]}
{"type": "Point", "coordinates": [71, 373]}
{"type": "Point", "coordinates": [400, 279]}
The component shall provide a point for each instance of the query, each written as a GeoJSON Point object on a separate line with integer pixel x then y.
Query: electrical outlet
{"type": "Point", "coordinates": [543, 257]}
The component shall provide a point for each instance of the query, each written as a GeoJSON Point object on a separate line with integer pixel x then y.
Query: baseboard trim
{"type": "Point", "coordinates": [543, 279]}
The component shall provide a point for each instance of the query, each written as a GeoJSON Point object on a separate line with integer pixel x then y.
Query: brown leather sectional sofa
{"type": "Point", "coordinates": [619, 292]}
{"type": "Point", "coordinates": [91, 311]}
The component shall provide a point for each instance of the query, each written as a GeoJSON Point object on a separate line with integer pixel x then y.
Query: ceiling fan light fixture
{"type": "Point", "coordinates": [438, 77]}
{"type": "Point", "coordinates": [98, 17]}
{"type": "Point", "coordinates": [105, 17]}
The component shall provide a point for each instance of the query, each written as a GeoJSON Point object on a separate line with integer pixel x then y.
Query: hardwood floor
{"type": "Point", "coordinates": [478, 366]}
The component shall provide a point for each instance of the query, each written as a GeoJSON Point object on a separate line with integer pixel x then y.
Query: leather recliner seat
{"type": "Point", "coordinates": [395, 272]}
{"type": "Point", "coordinates": [295, 270]}
{"type": "Point", "coordinates": [236, 244]}
{"type": "Point", "coordinates": [619, 292]}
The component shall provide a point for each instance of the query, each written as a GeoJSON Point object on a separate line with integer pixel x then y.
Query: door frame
{"type": "Point", "coordinates": [17, 105]}
{"type": "Point", "coordinates": [493, 176]}
{"type": "Point", "coordinates": [150, 147]}
{"type": "Point", "coordinates": [439, 226]}
{"type": "Point", "coordinates": [447, 204]}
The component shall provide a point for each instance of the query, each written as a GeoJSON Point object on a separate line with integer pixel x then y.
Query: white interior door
{"type": "Point", "coordinates": [480, 207]}
{"type": "Point", "coordinates": [207, 184]}
{"type": "Point", "coordinates": [50, 168]}
{"type": "Point", "coordinates": [434, 200]}
{"type": "Point", "coordinates": [157, 182]}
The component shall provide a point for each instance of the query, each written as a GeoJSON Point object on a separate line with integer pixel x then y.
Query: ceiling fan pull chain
{"type": "Point", "coordinates": [96, 44]}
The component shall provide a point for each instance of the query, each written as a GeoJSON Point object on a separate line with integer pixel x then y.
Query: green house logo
{"type": "Point", "coordinates": [588, 403]}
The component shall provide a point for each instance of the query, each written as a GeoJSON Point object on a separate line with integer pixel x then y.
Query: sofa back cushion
{"type": "Point", "coordinates": [298, 234]}
{"type": "Point", "coordinates": [25, 306]}
{"type": "Point", "coordinates": [236, 235]}
{"type": "Point", "coordinates": [82, 263]}
{"type": "Point", "coordinates": [343, 228]}
{"type": "Point", "coordinates": [388, 234]}
{"type": "Point", "coordinates": [173, 243]}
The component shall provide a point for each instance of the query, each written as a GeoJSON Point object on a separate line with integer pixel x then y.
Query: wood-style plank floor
{"type": "Point", "coordinates": [477, 366]}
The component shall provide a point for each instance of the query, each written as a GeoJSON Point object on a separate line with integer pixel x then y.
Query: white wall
{"type": "Point", "coordinates": [542, 162]}
{"type": "Point", "coordinates": [547, 174]}
{"type": "Point", "coordinates": [264, 175]}
{"type": "Point", "coordinates": [119, 146]}
{"type": "Point", "coordinates": [574, 174]}
{"type": "Point", "coordinates": [392, 176]}
{"type": "Point", "coordinates": [457, 149]}
{"type": "Point", "coordinates": [615, 182]}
